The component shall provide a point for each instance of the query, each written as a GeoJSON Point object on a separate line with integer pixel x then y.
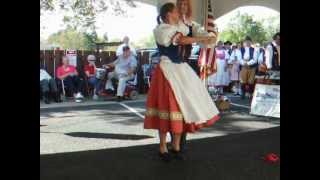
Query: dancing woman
{"type": "Point", "coordinates": [177, 100]}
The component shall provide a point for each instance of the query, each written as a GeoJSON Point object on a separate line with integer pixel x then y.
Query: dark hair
{"type": "Point", "coordinates": [228, 43]}
{"type": "Point", "coordinates": [248, 38]}
{"type": "Point", "coordinates": [276, 35]}
{"type": "Point", "coordinates": [125, 48]}
{"type": "Point", "coordinates": [168, 7]}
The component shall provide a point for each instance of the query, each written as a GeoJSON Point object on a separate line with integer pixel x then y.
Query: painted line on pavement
{"type": "Point", "coordinates": [132, 110]}
{"type": "Point", "coordinates": [239, 105]}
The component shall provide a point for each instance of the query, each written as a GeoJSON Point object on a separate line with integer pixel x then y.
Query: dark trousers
{"type": "Point", "coordinates": [73, 83]}
{"type": "Point", "coordinates": [47, 85]}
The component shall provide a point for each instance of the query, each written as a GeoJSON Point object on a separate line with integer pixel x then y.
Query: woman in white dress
{"type": "Point", "coordinates": [221, 78]}
{"type": "Point", "coordinates": [235, 69]}
{"type": "Point", "coordinates": [177, 101]}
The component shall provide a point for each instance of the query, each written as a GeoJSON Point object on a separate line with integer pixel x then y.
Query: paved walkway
{"type": "Point", "coordinates": [106, 140]}
{"type": "Point", "coordinates": [232, 157]}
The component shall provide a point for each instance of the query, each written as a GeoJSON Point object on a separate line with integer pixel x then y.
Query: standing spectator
{"type": "Point", "coordinates": [70, 77]}
{"type": "Point", "coordinates": [47, 83]}
{"type": "Point", "coordinates": [125, 67]}
{"type": "Point", "coordinates": [90, 71]}
{"type": "Point", "coordinates": [227, 46]}
{"type": "Point", "coordinates": [260, 53]}
{"type": "Point", "coordinates": [273, 54]}
{"type": "Point", "coordinates": [235, 68]}
{"type": "Point", "coordinates": [248, 64]}
{"type": "Point", "coordinates": [125, 43]}
{"type": "Point", "coordinates": [221, 77]}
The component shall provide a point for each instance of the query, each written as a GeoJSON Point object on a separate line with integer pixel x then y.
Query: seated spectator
{"type": "Point", "coordinates": [70, 77]}
{"type": "Point", "coordinates": [47, 83]}
{"type": "Point", "coordinates": [124, 71]}
{"type": "Point", "coordinates": [91, 71]}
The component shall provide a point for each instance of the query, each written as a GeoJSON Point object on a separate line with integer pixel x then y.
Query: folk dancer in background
{"type": "Point", "coordinates": [221, 78]}
{"type": "Point", "coordinates": [249, 65]}
{"type": "Point", "coordinates": [234, 61]}
{"type": "Point", "coordinates": [273, 55]}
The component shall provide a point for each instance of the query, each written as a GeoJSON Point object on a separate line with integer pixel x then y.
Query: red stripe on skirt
{"type": "Point", "coordinates": [161, 99]}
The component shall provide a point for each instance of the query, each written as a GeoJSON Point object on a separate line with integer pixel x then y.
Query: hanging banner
{"type": "Point", "coordinates": [266, 100]}
{"type": "Point", "coordinates": [72, 56]}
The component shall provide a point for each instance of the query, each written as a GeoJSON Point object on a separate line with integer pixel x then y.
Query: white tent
{"type": "Point", "coordinates": [220, 7]}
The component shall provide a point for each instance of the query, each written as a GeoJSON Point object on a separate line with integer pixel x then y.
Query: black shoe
{"type": "Point", "coordinates": [178, 155]}
{"type": "Point", "coordinates": [119, 99]}
{"type": "Point", "coordinates": [166, 157]}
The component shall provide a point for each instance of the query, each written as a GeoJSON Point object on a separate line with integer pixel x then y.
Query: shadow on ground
{"type": "Point", "coordinates": [231, 157]}
{"type": "Point", "coordinates": [108, 136]}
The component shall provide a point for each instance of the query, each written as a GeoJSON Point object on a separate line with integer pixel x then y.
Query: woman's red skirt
{"type": "Point", "coordinates": [163, 112]}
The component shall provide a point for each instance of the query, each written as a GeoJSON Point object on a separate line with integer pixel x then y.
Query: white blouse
{"type": "Point", "coordinates": [164, 33]}
{"type": "Point", "coordinates": [235, 56]}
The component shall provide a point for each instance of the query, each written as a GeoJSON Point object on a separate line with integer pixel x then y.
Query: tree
{"type": "Point", "coordinates": [146, 42]}
{"type": "Point", "coordinates": [72, 39]}
{"type": "Point", "coordinates": [243, 25]}
{"type": "Point", "coordinates": [81, 14]}
{"type": "Point", "coordinates": [272, 26]}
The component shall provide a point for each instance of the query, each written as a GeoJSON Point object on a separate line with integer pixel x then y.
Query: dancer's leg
{"type": "Point", "coordinates": [163, 142]}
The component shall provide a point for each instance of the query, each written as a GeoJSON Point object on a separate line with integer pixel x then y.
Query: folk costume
{"type": "Point", "coordinates": [235, 69]}
{"type": "Point", "coordinates": [177, 100]}
{"type": "Point", "coordinates": [248, 72]}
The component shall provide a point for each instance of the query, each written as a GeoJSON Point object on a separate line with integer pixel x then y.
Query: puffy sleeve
{"type": "Point", "coordinates": [164, 34]}
{"type": "Point", "coordinates": [198, 30]}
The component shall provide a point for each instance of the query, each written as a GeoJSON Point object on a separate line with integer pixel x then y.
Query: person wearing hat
{"type": "Point", "coordinates": [249, 65]}
{"type": "Point", "coordinates": [91, 70]}
{"type": "Point", "coordinates": [125, 67]}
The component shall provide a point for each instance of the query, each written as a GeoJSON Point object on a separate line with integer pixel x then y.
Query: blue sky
{"type": "Point", "coordinates": [139, 23]}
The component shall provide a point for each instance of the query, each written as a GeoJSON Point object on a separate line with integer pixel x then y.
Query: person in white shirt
{"type": "Point", "coordinates": [47, 83]}
{"type": "Point", "coordinates": [221, 78]}
{"type": "Point", "coordinates": [125, 43]}
{"type": "Point", "coordinates": [249, 64]}
{"type": "Point", "coordinates": [125, 67]}
{"type": "Point", "coordinates": [273, 55]}
{"type": "Point", "coordinates": [234, 61]}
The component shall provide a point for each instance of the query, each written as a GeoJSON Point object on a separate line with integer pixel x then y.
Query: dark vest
{"type": "Point", "coordinates": [172, 52]}
{"type": "Point", "coordinates": [251, 52]}
{"type": "Point", "coordinates": [275, 58]}
{"type": "Point", "coordinates": [230, 52]}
